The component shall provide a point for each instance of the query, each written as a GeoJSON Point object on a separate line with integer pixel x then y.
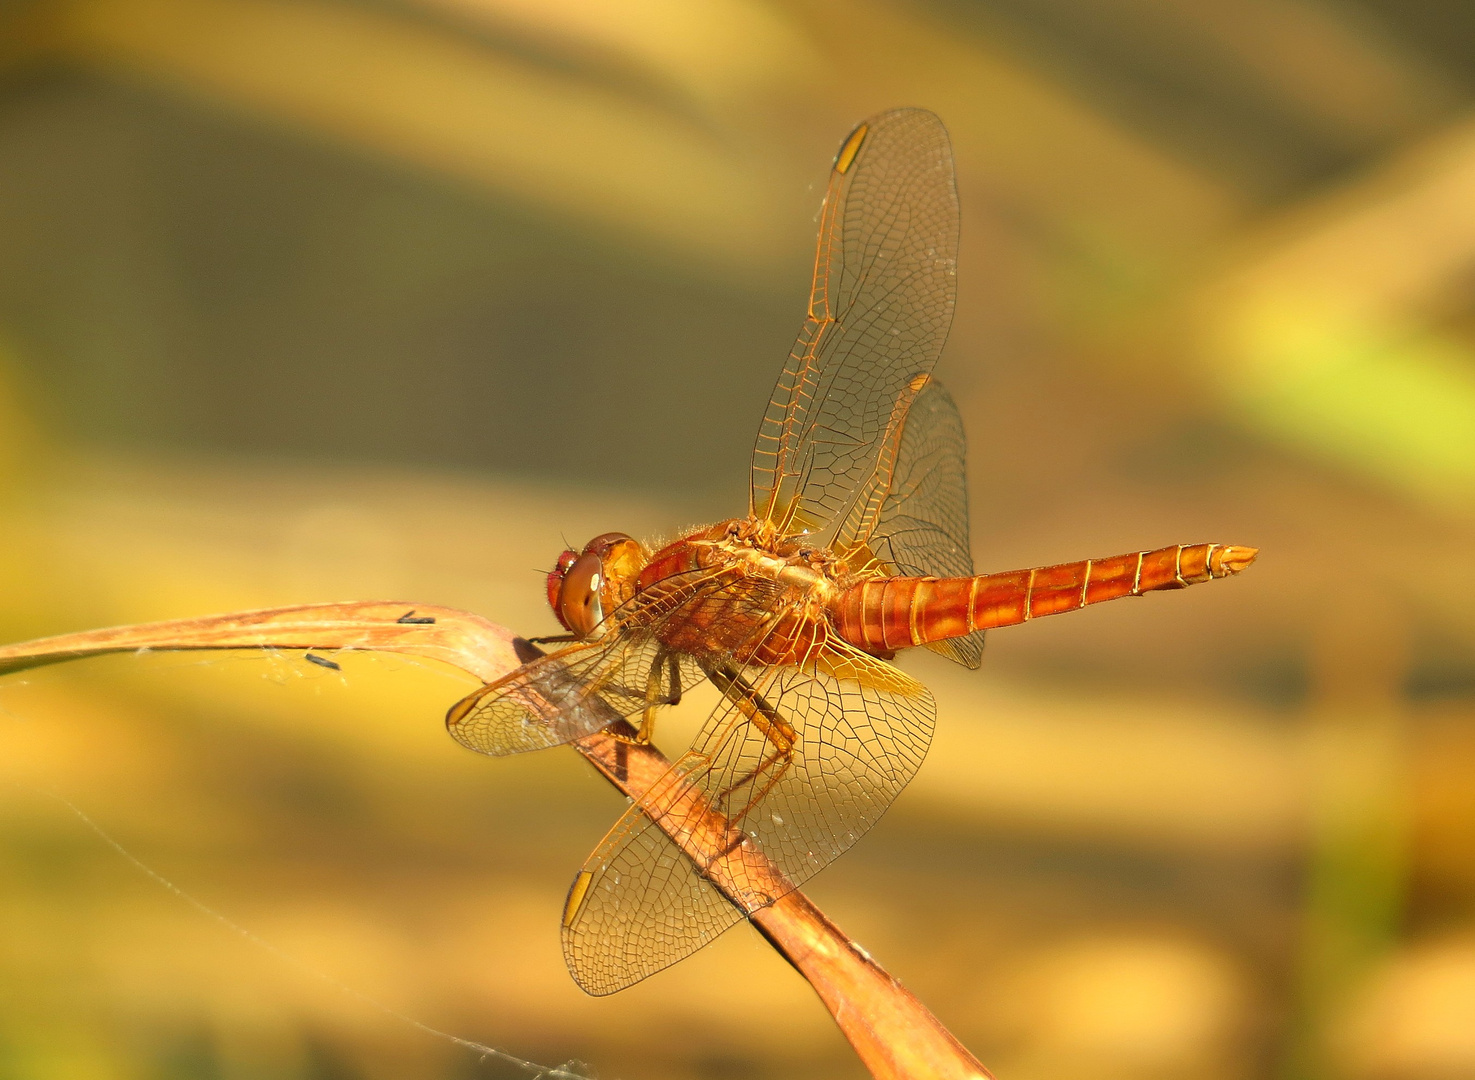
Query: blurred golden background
{"type": "Point", "coordinates": [355, 299]}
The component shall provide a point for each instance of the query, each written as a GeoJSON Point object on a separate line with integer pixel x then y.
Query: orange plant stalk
{"type": "Point", "coordinates": [893, 1033]}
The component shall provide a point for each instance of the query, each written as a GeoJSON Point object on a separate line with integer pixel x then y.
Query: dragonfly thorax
{"type": "Point", "coordinates": [798, 549]}
{"type": "Point", "coordinates": [753, 547]}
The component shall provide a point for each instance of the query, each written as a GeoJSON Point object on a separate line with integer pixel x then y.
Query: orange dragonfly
{"type": "Point", "coordinates": [854, 547]}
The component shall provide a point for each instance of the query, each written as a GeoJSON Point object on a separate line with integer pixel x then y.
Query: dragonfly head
{"type": "Point", "coordinates": [585, 586]}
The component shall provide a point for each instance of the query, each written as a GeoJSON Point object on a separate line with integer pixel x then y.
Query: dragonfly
{"type": "Point", "coordinates": [854, 547]}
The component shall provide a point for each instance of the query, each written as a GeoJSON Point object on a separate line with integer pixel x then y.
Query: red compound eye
{"type": "Point", "coordinates": [579, 606]}
{"type": "Point", "coordinates": [555, 582]}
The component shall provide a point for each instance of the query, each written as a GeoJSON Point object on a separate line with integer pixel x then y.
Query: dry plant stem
{"type": "Point", "coordinates": [893, 1033]}
{"type": "Point", "coordinates": [454, 637]}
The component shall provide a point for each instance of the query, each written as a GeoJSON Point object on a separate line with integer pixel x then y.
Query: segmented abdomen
{"type": "Point", "coordinates": [886, 614]}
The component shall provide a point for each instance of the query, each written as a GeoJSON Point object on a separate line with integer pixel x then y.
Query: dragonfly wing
{"type": "Point", "coordinates": [555, 699]}
{"type": "Point", "coordinates": [564, 696]}
{"type": "Point", "coordinates": [640, 904]}
{"type": "Point", "coordinates": [859, 729]}
{"type": "Point", "coordinates": [921, 525]}
{"type": "Point", "coordinates": [879, 312]}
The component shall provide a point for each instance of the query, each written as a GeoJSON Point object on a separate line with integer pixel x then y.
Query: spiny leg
{"type": "Point", "coordinates": [770, 724]}
{"type": "Point", "coordinates": [654, 699]}
{"type": "Point", "coordinates": [552, 638]}
{"type": "Point", "coordinates": [653, 696]}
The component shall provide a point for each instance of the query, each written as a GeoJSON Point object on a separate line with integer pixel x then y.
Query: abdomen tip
{"type": "Point", "coordinates": [1231, 559]}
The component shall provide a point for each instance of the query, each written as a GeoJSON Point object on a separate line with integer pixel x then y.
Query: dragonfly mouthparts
{"type": "Point", "coordinates": [1231, 559]}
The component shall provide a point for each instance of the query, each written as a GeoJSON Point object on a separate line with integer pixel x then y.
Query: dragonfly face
{"type": "Point", "coordinates": [585, 586]}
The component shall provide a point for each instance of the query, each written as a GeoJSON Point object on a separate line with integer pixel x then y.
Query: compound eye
{"type": "Point", "coordinates": [555, 581]}
{"type": "Point", "coordinates": [579, 607]}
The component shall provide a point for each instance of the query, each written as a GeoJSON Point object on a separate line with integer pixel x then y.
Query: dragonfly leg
{"type": "Point", "coordinates": [552, 638]}
{"type": "Point", "coordinates": [771, 725]}
{"type": "Point", "coordinates": [654, 698]}
{"type": "Point", "coordinates": [780, 757]}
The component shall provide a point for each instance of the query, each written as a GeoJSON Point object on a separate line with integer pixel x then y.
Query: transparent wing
{"type": "Point", "coordinates": [857, 730]}
{"type": "Point", "coordinates": [569, 694]}
{"type": "Point", "coordinates": [555, 699]}
{"type": "Point", "coordinates": [640, 904]}
{"type": "Point", "coordinates": [921, 526]}
{"type": "Point", "coordinates": [879, 312]}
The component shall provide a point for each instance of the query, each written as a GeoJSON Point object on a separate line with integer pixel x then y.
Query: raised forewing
{"type": "Point", "coordinates": [879, 312]}
{"type": "Point", "coordinates": [860, 729]}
